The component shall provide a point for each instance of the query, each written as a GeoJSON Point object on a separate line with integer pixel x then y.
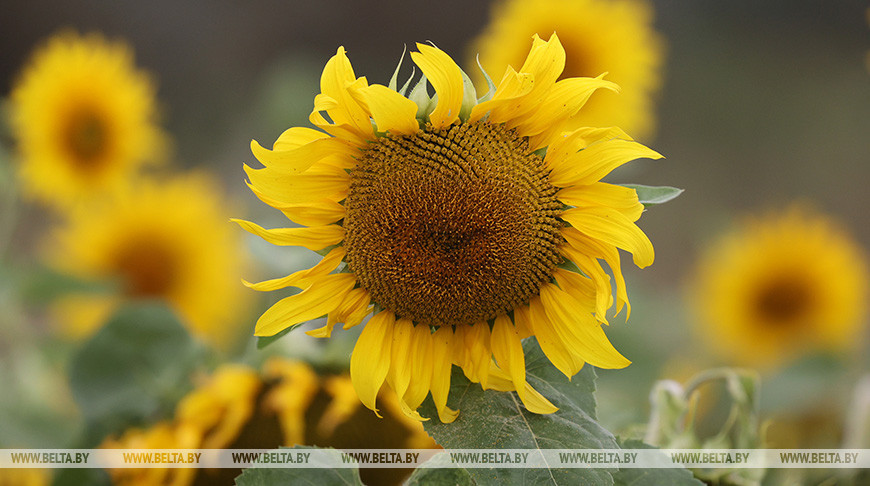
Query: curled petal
{"type": "Point", "coordinates": [370, 360]}
{"type": "Point", "coordinates": [337, 77]}
{"type": "Point", "coordinates": [391, 111]}
{"type": "Point", "coordinates": [441, 368]}
{"type": "Point", "coordinates": [579, 332]}
{"type": "Point", "coordinates": [316, 238]}
{"type": "Point", "coordinates": [446, 78]}
{"type": "Point", "coordinates": [612, 227]}
{"type": "Point", "coordinates": [589, 165]}
{"type": "Point", "coordinates": [317, 300]}
{"type": "Point", "coordinates": [303, 278]}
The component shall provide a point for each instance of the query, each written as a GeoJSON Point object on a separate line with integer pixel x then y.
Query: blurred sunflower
{"type": "Point", "coordinates": [454, 224]}
{"type": "Point", "coordinates": [84, 118]}
{"type": "Point", "coordinates": [780, 286]}
{"type": "Point", "coordinates": [286, 404]}
{"type": "Point", "coordinates": [157, 239]}
{"type": "Point", "coordinates": [601, 36]}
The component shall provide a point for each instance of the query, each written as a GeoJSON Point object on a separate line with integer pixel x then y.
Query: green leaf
{"type": "Point", "coordinates": [256, 476]}
{"type": "Point", "coordinates": [40, 285]}
{"type": "Point", "coordinates": [489, 94]}
{"type": "Point", "coordinates": [469, 97]}
{"type": "Point", "coordinates": [405, 86]}
{"type": "Point", "coordinates": [652, 195]}
{"type": "Point", "coordinates": [263, 341]}
{"type": "Point", "coordinates": [394, 80]}
{"type": "Point", "coordinates": [78, 476]}
{"type": "Point", "coordinates": [675, 476]}
{"type": "Point", "coordinates": [434, 476]}
{"type": "Point", "coordinates": [497, 420]}
{"type": "Point", "coordinates": [131, 368]}
{"type": "Point", "coordinates": [420, 95]}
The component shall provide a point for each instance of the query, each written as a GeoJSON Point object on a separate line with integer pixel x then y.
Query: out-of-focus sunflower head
{"type": "Point", "coordinates": [287, 403]}
{"type": "Point", "coordinates": [84, 118]}
{"type": "Point", "coordinates": [165, 239]}
{"type": "Point", "coordinates": [780, 286]}
{"type": "Point", "coordinates": [600, 36]}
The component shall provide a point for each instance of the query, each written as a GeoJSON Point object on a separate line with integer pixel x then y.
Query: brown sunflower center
{"type": "Point", "coordinates": [148, 268]}
{"type": "Point", "coordinates": [452, 226]}
{"type": "Point", "coordinates": [783, 300]}
{"type": "Point", "coordinates": [86, 137]}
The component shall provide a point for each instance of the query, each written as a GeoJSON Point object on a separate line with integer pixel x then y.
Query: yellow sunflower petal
{"type": "Point", "coordinates": [325, 331]}
{"type": "Point", "coordinates": [316, 238]}
{"type": "Point", "coordinates": [370, 360]}
{"type": "Point", "coordinates": [610, 255]}
{"type": "Point", "coordinates": [542, 67]}
{"type": "Point", "coordinates": [468, 353]}
{"type": "Point", "coordinates": [319, 299]}
{"type": "Point", "coordinates": [446, 78]}
{"type": "Point", "coordinates": [441, 369]}
{"type": "Point", "coordinates": [318, 213]}
{"type": "Point", "coordinates": [421, 367]}
{"type": "Point", "coordinates": [531, 398]}
{"type": "Point", "coordinates": [356, 307]}
{"type": "Point", "coordinates": [552, 343]}
{"type": "Point", "coordinates": [612, 227]}
{"type": "Point", "coordinates": [580, 333]}
{"type": "Point", "coordinates": [591, 268]}
{"type": "Point", "coordinates": [295, 137]}
{"type": "Point", "coordinates": [343, 131]}
{"type": "Point", "coordinates": [303, 278]}
{"type": "Point", "coordinates": [568, 143]}
{"type": "Point", "coordinates": [399, 375]}
{"type": "Point", "coordinates": [508, 352]}
{"type": "Point", "coordinates": [404, 367]}
{"type": "Point", "coordinates": [623, 199]}
{"type": "Point", "coordinates": [546, 61]}
{"type": "Point", "coordinates": [596, 161]}
{"type": "Point", "coordinates": [391, 111]}
{"type": "Point", "coordinates": [327, 182]}
{"type": "Point", "coordinates": [562, 102]}
{"type": "Point", "coordinates": [512, 87]}
{"type": "Point", "coordinates": [337, 76]}
{"type": "Point", "coordinates": [298, 159]}
{"type": "Point", "coordinates": [578, 286]}
{"type": "Point", "coordinates": [459, 354]}
{"type": "Point", "coordinates": [521, 321]}
{"type": "Point", "coordinates": [477, 343]}
{"type": "Point", "coordinates": [351, 311]}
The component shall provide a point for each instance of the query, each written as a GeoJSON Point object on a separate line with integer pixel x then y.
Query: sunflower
{"type": "Point", "coordinates": [780, 286]}
{"type": "Point", "coordinates": [212, 416]}
{"type": "Point", "coordinates": [286, 403]}
{"type": "Point", "coordinates": [157, 239]}
{"type": "Point", "coordinates": [612, 36]}
{"type": "Point", "coordinates": [456, 229]}
{"type": "Point", "coordinates": [84, 118]}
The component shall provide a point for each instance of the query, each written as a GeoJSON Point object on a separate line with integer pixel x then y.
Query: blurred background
{"type": "Point", "coordinates": [761, 105]}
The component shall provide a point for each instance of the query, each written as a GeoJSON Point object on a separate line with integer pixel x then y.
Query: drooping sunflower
{"type": "Point", "coordinates": [157, 239]}
{"type": "Point", "coordinates": [84, 118]}
{"type": "Point", "coordinates": [212, 416]}
{"type": "Point", "coordinates": [286, 403]}
{"type": "Point", "coordinates": [780, 286]}
{"type": "Point", "coordinates": [600, 36]}
{"type": "Point", "coordinates": [457, 231]}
